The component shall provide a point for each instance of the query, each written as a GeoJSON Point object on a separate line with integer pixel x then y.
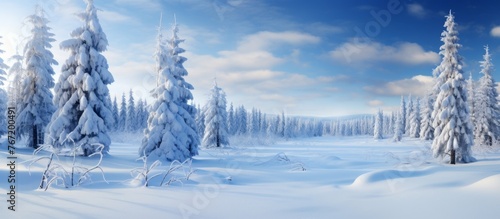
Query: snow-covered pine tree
{"type": "Point", "coordinates": [122, 121]}
{"type": "Point", "coordinates": [409, 112]}
{"type": "Point", "coordinates": [378, 129]}
{"type": "Point", "coordinates": [200, 121]}
{"type": "Point", "coordinates": [216, 119]}
{"type": "Point", "coordinates": [426, 129]}
{"type": "Point", "coordinates": [402, 111]}
{"type": "Point", "coordinates": [131, 122]}
{"type": "Point", "coordinates": [398, 127]}
{"type": "Point", "coordinates": [171, 133]}
{"type": "Point", "coordinates": [116, 115]}
{"type": "Point", "coordinates": [3, 96]}
{"type": "Point", "coordinates": [145, 115]}
{"type": "Point", "coordinates": [140, 115]}
{"type": "Point", "coordinates": [415, 120]}
{"type": "Point", "coordinates": [242, 120]}
{"type": "Point", "coordinates": [282, 125]}
{"type": "Point", "coordinates": [471, 98]}
{"type": "Point", "coordinates": [81, 94]}
{"type": "Point", "coordinates": [452, 127]}
{"type": "Point", "coordinates": [231, 123]}
{"type": "Point", "coordinates": [253, 122]}
{"type": "Point", "coordinates": [487, 115]}
{"type": "Point", "coordinates": [15, 78]}
{"type": "Point", "coordinates": [272, 126]}
{"type": "Point", "coordinates": [36, 107]}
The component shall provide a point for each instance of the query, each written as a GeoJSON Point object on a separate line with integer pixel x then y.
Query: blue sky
{"type": "Point", "coordinates": [314, 58]}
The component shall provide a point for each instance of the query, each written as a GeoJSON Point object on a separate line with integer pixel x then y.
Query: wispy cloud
{"type": "Point", "coordinates": [355, 52]}
{"type": "Point", "coordinates": [266, 39]}
{"type": "Point", "coordinates": [146, 4]}
{"type": "Point", "coordinates": [417, 10]}
{"type": "Point", "coordinates": [495, 31]}
{"type": "Point", "coordinates": [375, 103]}
{"type": "Point", "coordinates": [113, 16]}
{"type": "Point", "coordinates": [250, 70]}
{"type": "Point", "coordinates": [418, 86]}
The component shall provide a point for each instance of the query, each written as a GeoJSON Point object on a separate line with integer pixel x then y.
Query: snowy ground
{"type": "Point", "coordinates": [327, 177]}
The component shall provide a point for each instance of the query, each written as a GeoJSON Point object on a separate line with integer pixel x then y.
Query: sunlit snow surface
{"type": "Point", "coordinates": [326, 177]}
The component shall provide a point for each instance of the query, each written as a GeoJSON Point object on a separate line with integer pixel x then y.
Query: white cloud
{"type": "Point", "coordinates": [113, 16]}
{"type": "Point", "coordinates": [418, 85]}
{"type": "Point", "coordinates": [416, 10]}
{"type": "Point", "coordinates": [495, 31]}
{"type": "Point", "coordinates": [355, 52]}
{"type": "Point", "coordinates": [375, 103]}
{"type": "Point", "coordinates": [248, 71]}
{"type": "Point", "coordinates": [147, 4]}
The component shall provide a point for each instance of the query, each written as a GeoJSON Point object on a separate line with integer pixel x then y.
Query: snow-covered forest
{"type": "Point", "coordinates": [176, 157]}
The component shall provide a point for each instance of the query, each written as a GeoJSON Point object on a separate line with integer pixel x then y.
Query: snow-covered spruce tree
{"type": "Point", "coordinates": [426, 129]}
{"type": "Point", "coordinates": [36, 107]}
{"type": "Point", "coordinates": [122, 121]}
{"type": "Point", "coordinates": [409, 112]}
{"type": "Point", "coordinates": [452, 127]}
{"type": "Point", "coordinates": [81, 94]}
{"type": "Point", "coordinates": [487, 115]}
{"type": "Point", "coordinates": [231, 124]}
{"type": "Point", "coordinates": [171, 133]}
{"type": "Point", "coordinates": [216, 119]}
{"type": "Point", "coordinates": [140, 115]}
{"type": "Point", "coordinates": [378, 129]}
{"type": "Point", "coordinates": [200, 121]}
{"type": "Point", "coordinates": [471, 98]}
{"type": "Point", "coordinates": [402, 111]}
{"type": "Point", "coordinates": [131, 122]}
{"type": "Point", "coordinates": [242, 120]}
{"type": "Point", "coordinates": [116, 115]}
{"type": "Point", "coordinates": [15, 78]}
{"type": "Point", "coordinates": [398, 128]}
{"type": "Point", "coordinates": [3, 96]}
{"type": "Point", "coordinates": [415, 119]}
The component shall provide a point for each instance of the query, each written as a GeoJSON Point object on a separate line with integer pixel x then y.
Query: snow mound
{"type": "Point", "coordinates": [277, 160]}
{"type": "Point", "coordinates": [491, 183]}
{"type": "Point", "coordinates": [387, 175]}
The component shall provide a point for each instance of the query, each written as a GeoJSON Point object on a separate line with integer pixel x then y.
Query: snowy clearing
{"type": "Point", "coordinates": [325, 177]}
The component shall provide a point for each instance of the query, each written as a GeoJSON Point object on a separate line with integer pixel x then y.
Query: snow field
{"type": "Point", "coordinates": [327, 177]}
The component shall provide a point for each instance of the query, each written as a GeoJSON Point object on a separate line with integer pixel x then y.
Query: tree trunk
{"type": "Point", "coordinates": [35, 137]}
{"type": "Point", "coordinates": [452, 156]}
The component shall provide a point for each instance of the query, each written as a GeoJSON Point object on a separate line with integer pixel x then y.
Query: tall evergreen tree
{"type": "Point", "coordinates": [140, 115]}
{"type": "Point", "coordinates": [242, 120]}
{"type": "Point", "coordinates": [452, 127]}
{"type": "Point", "coordinates": [402, 111]}
{"type": "Point", "coordinates": [231, 123]}
{"type": "Point", "coordinates": [200, 121]}
{"type": "Point", "coordinates": [122, 121]}
{"type": "Point", "coordinates": [471, 96]}
{"type": "Point", "coordinates": [36, 107]}
{"type": "Point", "coordinates": [83, 113]}
{"type": "Point", "coordinates": [116, 115]}
{"type": "Point", "coordinates": [398, 128]}
{"type": "Point", "coordinates": [171, 133]}
{"type": "Point", "coordinates": [487, 116]}
{"type": "Point", "coordinates": [216, 119]}
{"type": "Point", "coordinates": [426, 129]}
{"type": "Point", "coordinates": [15, 78]}
{"type": "Point", "coordinates": [415, 120]}
{"type": "Point", "coordinates": [409, 112]}
{"type": "Point", "coordinates": [378, 129]}
{"type": "Point", "coordinates": [3, 96]}
{"type": "Point", "coordinates": [131, 122]}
